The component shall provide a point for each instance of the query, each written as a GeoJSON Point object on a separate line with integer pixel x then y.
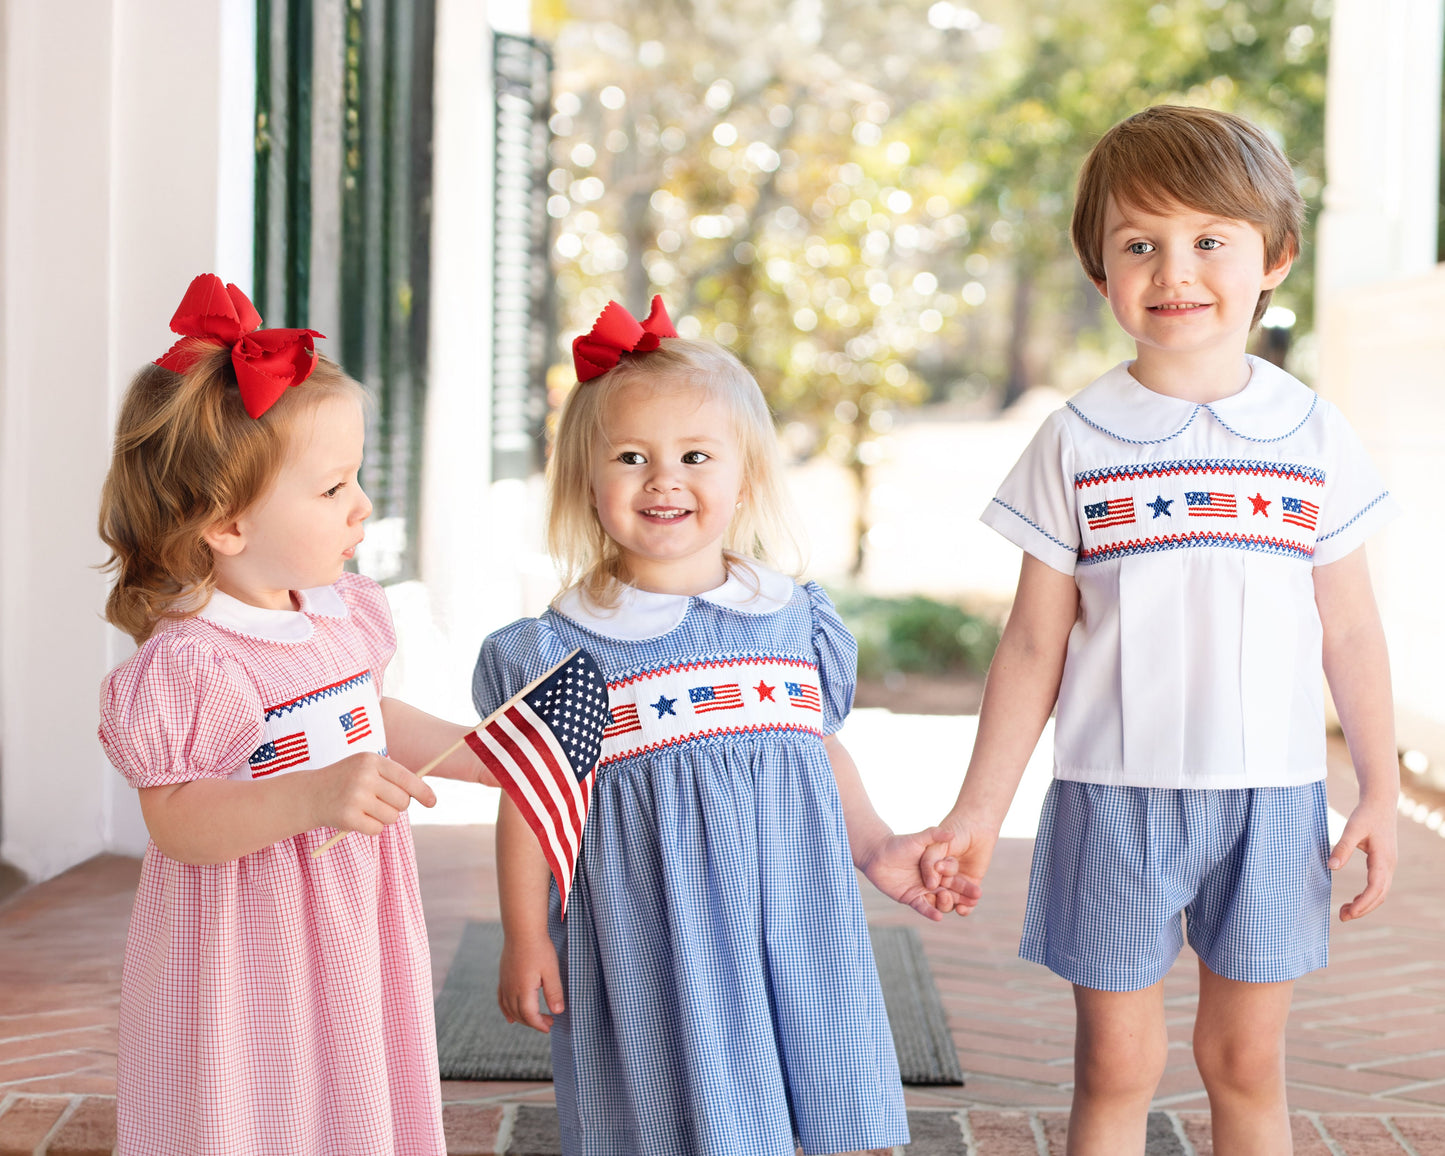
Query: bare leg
{"type": "Point", "coordinates": [1239, 1048]}
{"type": "Point", "coordinates": [1119, 1047]}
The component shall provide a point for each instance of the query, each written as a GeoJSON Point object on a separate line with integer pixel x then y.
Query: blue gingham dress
{"type": "Point", "coordinates": [721, 992]}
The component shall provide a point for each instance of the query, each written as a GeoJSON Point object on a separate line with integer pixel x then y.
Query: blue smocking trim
{"type": "Point", "coordinates": [1194, 541]}
{"type": "Point", "coordinates": [1307, 474]}
{"type": "Point", "coordinates": [1035, 525]}
{"type": "Point", "coordinates": [331, 691]}
{"type": "Point", "coordinates": [1356, 518]}
{"type": "Point", "coordinates": [1281, 437]}
{"type": "Point", "coordinates": [1133, 441]}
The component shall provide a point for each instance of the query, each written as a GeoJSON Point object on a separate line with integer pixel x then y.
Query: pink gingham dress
{"type": "Point", "coordinates": [277, 1003]}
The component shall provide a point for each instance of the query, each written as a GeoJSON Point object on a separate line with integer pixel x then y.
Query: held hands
{"type": "Point", "coordinates": [957, 861]}
{"type": "Point", "coordinates": [527, 964]}
{"type": "Point", "coordinates": [1371, 828]}
{"type": "Point", "coordinates": [365, 792]}
{"type": "Point", "coordinates": [896, 866]}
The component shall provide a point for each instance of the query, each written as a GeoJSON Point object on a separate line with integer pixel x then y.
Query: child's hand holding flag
{"type": "Point", "coordinates": [542, 746]}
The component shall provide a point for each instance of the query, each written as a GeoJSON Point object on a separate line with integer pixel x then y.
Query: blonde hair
{"type": "Point", "coordinates": [1210, 161]}
{"type": "Point", "coordinates": [762, 530]}
{"type": "Point", "coordinates": [187, 457]}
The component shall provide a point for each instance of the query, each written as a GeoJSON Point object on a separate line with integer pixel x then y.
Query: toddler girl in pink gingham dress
{"type": "Point", "coordinates": [272, 1001]}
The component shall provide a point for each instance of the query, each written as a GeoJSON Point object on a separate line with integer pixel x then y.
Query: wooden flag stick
{"type": "Point", "coordinates": [456, 746]}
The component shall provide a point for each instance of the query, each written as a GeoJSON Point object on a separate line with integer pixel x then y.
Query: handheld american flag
{"type": "Point", "coordinates": [542, 745]}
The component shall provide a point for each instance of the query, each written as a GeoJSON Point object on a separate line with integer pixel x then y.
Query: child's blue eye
{"type": "Point", "coordinates": [1210, 243]}
{"type": "Point", "coordinates": [694, 458]}
{"type": "Point", "coordinates": [1139, 248]}
{"type": "Point", "coordinates": [631, 458]}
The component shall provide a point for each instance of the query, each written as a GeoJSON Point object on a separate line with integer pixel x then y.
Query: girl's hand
{"type": "Point", "coordinates": [958, 860]}
{"type": "Point", "coordinates": [527, 964]}
{"type": "Point", "coordinates": [365, 792]}
{"type": "Point", "coordinates": [1371, 828]}
{"type": "Point", "coordinates": [895, 867]}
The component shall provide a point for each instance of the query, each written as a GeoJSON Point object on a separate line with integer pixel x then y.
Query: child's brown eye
{"type": "Point", "coordinates": [694, 458]}
{"type": "Point", "coordinates": [631, 458]}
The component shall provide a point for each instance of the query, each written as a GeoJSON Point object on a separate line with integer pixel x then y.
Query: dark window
{"type": "Point", "coordinates": [524, 328]}
{"type": "Point", "coordinates": [343, 229]}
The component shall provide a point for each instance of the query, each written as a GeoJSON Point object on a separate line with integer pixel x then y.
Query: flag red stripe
{"type": "Point", "coordinates": [544, 796]}
{"type": "Point", "coordinates": [562, 774]}
{"type": "Point", "coordinates": [503, 775]}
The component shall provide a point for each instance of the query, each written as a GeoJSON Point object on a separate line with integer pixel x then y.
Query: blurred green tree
{"type": "Point", "coordinates": [868, 199]}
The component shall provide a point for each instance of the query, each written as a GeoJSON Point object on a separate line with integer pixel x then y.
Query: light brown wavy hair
{"type": "Point", "coordinates": [187, 457]}
{"type": "Point", "coordinates": [762, 530]}
{"type": "Point", "coordinates": [1212, 162]}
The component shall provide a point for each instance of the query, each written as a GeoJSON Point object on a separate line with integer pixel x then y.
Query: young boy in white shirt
{"type": "Point", "coordinates": [1192, 525]}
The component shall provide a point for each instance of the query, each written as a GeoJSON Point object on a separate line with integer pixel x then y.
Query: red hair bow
{"type": "Point", "coordinates": [267, 361]}
{"type": "Point", "coordinates": [617, 332]}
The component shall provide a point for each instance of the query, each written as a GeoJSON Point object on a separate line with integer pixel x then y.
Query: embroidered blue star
{"type": "Point", "coordinates": [1160, 505]}
{"type": "Point", "coordinates": [663, 705]}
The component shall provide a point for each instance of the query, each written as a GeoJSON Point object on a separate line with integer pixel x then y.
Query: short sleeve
{"type": "Point", "coordinates": [837, 654]}
{"type": "Point", "coordinates": [1034, 507]}
{"type": "Point", "coordinates": [371, 614]}
{"type": "Point", "coordinates": [510, 659]}
{"type": "Point", "coordinates": [1356, 502]}
{"type": "Point", "coordinates": [176, 711]}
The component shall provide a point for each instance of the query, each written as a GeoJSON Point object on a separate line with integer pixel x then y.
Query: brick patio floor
{"type": "Point", "coordinates": [1366, 1062]}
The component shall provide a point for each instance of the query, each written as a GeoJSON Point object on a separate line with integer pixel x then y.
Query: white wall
{"type": "Point", "coordinates": [112, 203]}
{"type": "Point", "coordinates": [1381, 301]}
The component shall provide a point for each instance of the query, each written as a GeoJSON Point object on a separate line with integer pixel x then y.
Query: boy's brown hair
{"type": "Point", "coordinates": [1210, 161]}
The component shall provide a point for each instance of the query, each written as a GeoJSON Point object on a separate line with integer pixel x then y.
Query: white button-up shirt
{"type": "Point", "coordinates": [1192, 532]}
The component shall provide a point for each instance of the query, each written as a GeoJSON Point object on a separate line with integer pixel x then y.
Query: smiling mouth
{"type": "Point", "coordinates": [1178, 307]}
{"type": "Point", "coordinates": [665, 513]}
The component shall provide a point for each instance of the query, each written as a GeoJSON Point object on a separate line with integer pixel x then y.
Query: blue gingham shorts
{"type": "Point", "coordinates": [1114, 867]}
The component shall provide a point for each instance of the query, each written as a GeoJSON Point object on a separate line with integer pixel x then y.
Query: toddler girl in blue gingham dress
{"type": "Point", "coordinates": [714, 964]}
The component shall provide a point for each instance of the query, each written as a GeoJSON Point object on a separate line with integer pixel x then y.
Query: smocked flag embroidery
{"type": "Point", "coordinates": [1298, 512]}
{"type": "Point", "coordinates": [1113, 512]}
{"type": "Point", "coordinates": [355, 725]}
{"type": "Point", "coordinates": [1210, 504]}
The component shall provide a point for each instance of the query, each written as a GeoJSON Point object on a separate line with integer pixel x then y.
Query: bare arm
{"type": "Point", "coordinates": [529, 960]}
{"type": "Point", "coordinates": [1023, 683]}
{"type": "Point", "coordinates": [1357, 666]}
{"type": "Point", "coordinates": [218, 820]}
{"type": "Point", "coordinates": [414, 738]}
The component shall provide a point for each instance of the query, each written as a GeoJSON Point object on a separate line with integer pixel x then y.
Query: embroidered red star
{"type": "Point", "coordinates": [765, 692]}
{"type": "Point", "coordinates": [1261, 504]}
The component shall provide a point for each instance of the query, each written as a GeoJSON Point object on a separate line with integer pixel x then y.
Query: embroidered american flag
{"type": "Point", "coordinates": [542, 745]}
{"type": "Point", "coordinates": [801, 694]}
{"type": "Point", "coordinates": [1113, 512]}
{"type": "Point", "coordinates": [278, 754]}
{"type": "Point", "coordinates": [1208, 504]}
{"type": "Point", "coordinates": [355, 725]}
{"type": "Point", "coordinates": [1298, 512]}
{"type": "Point", "coordinates": [624, 721]}
{"type": "Point", "coordinates": [706, 698]}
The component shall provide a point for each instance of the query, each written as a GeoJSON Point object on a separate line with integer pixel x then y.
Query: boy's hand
{"type": "Point", "coordinates": [365, 792]}
{"type": "Point", "coordinates": [526, 966]}
{"type": "Point", "coordinates": [895, 867]}
{"type": "Point", "coordinates": [958, 860]}
{"type": "Point", "coordinates": [1372, 828]}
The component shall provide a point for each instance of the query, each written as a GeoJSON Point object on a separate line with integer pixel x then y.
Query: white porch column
{"type": "Point", "coordinates": [112, 145]}
{"type": "Point", "coordinates": [1382, 143]}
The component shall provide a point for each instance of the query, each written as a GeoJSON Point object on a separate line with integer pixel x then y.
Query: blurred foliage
{"type": "Point", "coordinates": [916, 635]}
{"type": "Point", "coordinates": [869, 199]}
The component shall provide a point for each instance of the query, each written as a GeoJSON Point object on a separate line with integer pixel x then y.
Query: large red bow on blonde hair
{"type": "Point", "coordinates": [617, 332]}
{"type": "Point", "coordinates": [267, 361]}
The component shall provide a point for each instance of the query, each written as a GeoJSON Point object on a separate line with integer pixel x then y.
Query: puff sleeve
{"type": "Point", "coordinates": [512, 657]}
{"type": "Point", "coordinates": [1034, 507]}
{"type": "Point", "coordinates": [176, 711]}
{"type": "Point", "coordinates": [371, 613]}
{"type": "Point", "coordinates": [837, 656]}
{"type": "Point", "coordinates": [1356, 502]}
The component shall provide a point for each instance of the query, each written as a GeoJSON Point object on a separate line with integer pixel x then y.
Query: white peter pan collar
{"type": "Point", "coordinates": [1270, 407]}
{"type": "Point", "coordinates": [644, 614]}
{"type": "Point", "coordinates": [275, 625]}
